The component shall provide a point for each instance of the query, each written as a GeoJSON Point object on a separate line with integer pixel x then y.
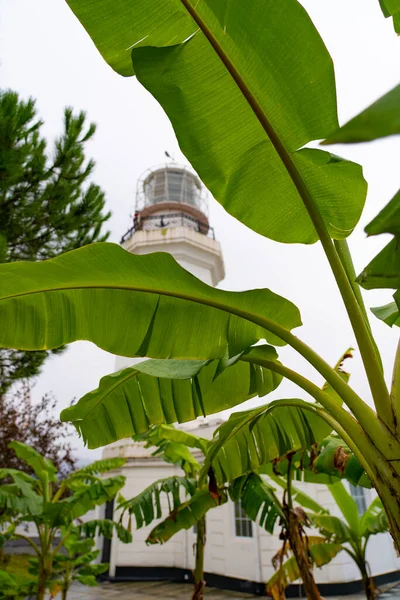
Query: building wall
{"type": "Point", "coordinates": [226, 554]}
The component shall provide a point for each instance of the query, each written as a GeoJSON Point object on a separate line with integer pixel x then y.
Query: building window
{"type": "Point", "coordinates": [358, 494]}
{"type": "Point", "coordinates": [243, 525]}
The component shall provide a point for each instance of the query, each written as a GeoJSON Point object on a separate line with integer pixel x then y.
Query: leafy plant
{"type": "Point", "coordinates": [350, 535]}
{"type": "Point", "coordinates": [13, 587]}
{"type": "Point", "coordinates": [244, 123]}
{"type": "Point", "coordinates": [188, 502]}
{"type": "Point", "coordinates": [75, 564]}
{"type": "Point", "coordinates": [354, 532]}
{"type": "Point", "coordinates": [261, 503]}
{"type": "Point", "coordinates": [54, 506]}
{"type": "Point", "coordinates": [47, 203]}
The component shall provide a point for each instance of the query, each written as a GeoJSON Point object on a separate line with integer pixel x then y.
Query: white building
{"type": "Point", "coordinates": [172, 216]}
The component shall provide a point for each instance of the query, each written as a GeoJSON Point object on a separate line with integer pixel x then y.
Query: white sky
{"type": "Point", "coordinates": [45, 53]}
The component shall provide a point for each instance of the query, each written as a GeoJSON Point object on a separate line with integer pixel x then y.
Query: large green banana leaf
{"type": "Point", "coordinates": [258, 500]}
{"type": "Point", "coordinates": [146, 506]}
{"type": "Point", "coordinates": [390, 7]}
{"type": "Point", "coordinates": [253, 438]}
{"type": "Point", "coordinates": [103, 527]}
{"type": "Point", "coordinates": [213, 76]}
{"type": "Point", "coordinates": [36, 461]}
{"type": "Point", "coordinates": [18, 496]}
{"type": "Point", "coordinates": [185, 516]}
{"type": "Point", "coordinates": [374, 520]}
{"type": "Point", "coordinates": [347, 506]}
{"type": "Point", "coordinates": [160, 434]}
{"type": "Point", "coordinates": [331, 527]}
{"type": "Point", "coordinates": [321, 553]}
{"type": "Point", "coordinates": [384, 270]}
{"type": "Point", "coordinates": [132, 306]}
{"type": "Point", "coordinates": [128, 402]}
{"type": "Point", "coordinates": [63, 512]}
{"type": "Point", "coordinates": [173, 446]}
{"type": "Point", "coordinates": [380, 119]}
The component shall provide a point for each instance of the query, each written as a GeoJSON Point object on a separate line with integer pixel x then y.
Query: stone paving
{"type": "Point", "coordinates": [151, 590]}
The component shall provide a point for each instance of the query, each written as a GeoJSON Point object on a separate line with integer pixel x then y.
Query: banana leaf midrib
{"type": "Point", "coordinates": [266, 124]}
{"type": "Point", "coordinates": [247, 315]}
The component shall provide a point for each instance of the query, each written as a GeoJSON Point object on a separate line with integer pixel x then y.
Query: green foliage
{"type": "Point", "coordinates": [336, 459]}
{"type": "Point", "coordinates": [146, 506]}
{"type": "Point", "coordinates": [103, 527]}
{"type": "Point", "coordinates": [384, 270]}
{"type": "Point", "coordinates": [392, 8]}
{"type": "Point", "coordinates": [321, 553]}
{"type": "Point", "coordinates": [185, 516]}
{"type": "Point", "coordinates": [54, 510]}
{"type": "Point", "coordinates": [215, 107]}
{"type": "Point", "coordinates": [174, 391]}
{"type": "Point", "coordinates": [253, 438]}
{"type": "Point", "coordinates": [379, 120]}
{"type": "Point", "coordinates": [47, 205]}
{"type": "Point", "coordinates": [104, 279]}
{"type": "Point", "coordinates": [244, 122]}
{"type": "Point", "coordinates": [13, 587]}
{"type": "Point", "coordinates": [257, 499]}
{"type": "Point", "coordinates": [38, 463]}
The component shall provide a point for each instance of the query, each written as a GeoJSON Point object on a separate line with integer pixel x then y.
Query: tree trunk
{"type": "Point", "coordinates": [64, 593]}
{"type": "Point", "coordinates": [368, 582]}
{"type": "Point", "coordinates": [299, 549]}
{"type": "Point", "coordinates": [198, 572]}
{"type": "Point", "coordinates": [41, 591]}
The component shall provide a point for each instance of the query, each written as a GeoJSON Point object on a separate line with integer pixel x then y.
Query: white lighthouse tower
{"type": "Point", "coordinates": [171, 215]}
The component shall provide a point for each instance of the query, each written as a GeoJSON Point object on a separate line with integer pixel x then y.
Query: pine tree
{"type": "Point", "coordinates": [47, 203]}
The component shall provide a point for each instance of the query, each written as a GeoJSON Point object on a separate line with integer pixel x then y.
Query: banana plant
{"type": "Point", "coordinates": [244, 123]}
{"type": "Point", "coordinates": [188, 502]}
{"type": "Point", "coordinates": [54, 506]}
{"type": "Point", "coordinates": [354, 531]}
{"type": "Point", "coordinates": [75, 564]}
{"type": "Point", "coordinates": [262, 504]}
{"type": "Point", "coordinates": [351, 535]}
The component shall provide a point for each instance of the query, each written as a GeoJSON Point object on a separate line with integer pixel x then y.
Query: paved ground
{"type": "Point", "coordinates": [149, 590]}
{"type": "Point", "coordinates": [180, 591]}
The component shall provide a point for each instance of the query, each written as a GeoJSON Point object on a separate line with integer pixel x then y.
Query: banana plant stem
{"type": "Point", "coordinates": [343, 250]}
{"type": "Point", "coordinates": [395, 389]}
{"type": "Point", "coordinates": [371, 363]}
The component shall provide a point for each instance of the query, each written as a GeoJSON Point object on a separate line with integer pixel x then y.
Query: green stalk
{"type": "Point", "coordinates": [343, 250]}
{"type": "Point", "coordinates": [371, 363]}
{"type": "Point", "coordinates": [395, 389]}
{"type": "Point", "coordinates": [378, 433]}
{"type": "Point", "coordinates": [289, 483]}
{"type": "Point", "coordinates": [29, 541]}
{"type": "Point", "coordinates": [198, 573]}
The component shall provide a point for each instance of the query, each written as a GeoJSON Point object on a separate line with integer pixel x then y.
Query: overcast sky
{"type": "Point", "coordinates": [45, 53]}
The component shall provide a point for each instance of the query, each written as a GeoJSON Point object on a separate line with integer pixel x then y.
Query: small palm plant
{"type": "Point", "coordinates": [54, 506]}
{"type": "Point", "coordinates": [350, 535]}
{"type": "Point", "coordinates": [354, 532]}
{"type": "Point", "coordinates": [187, 509]}
{"type": "Point", "coordinates": [75, 564]}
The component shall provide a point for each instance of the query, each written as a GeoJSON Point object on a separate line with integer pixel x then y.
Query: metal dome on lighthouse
{"type": "Point", "coordinates": [170, 196]}
{"type": "Point", "coordinates": [171, 215]}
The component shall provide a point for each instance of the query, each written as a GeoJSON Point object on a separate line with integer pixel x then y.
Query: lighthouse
{"type": "Point", "coordinates": [171, 215]}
